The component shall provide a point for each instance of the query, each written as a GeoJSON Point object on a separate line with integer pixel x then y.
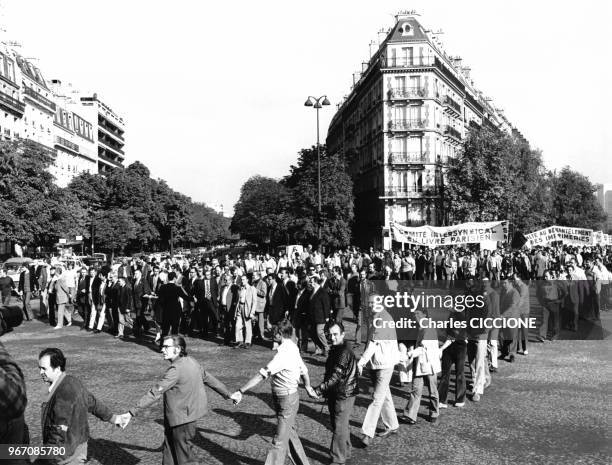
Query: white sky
{"type": "Point", "coordinates": [213, 92]}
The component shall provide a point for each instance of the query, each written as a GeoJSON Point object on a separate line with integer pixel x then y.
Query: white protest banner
{"type": "Point", "coordinates": [569, 236]}
{"type": "Point", "coordinates": [432, 236]}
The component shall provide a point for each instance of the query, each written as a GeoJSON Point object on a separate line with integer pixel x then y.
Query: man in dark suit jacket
{"type": "Point", "coordinates": [83, 297]}
{"type": "Point", "coordinates": [337, 294]}
{"type": "Point", "coordinates": [172, 310]}
{"type": "Point", "coordinates": [139, 302]}
{"type": "Point", "coordinates": [319, 310]}
{"type": "Point", "coordinates": [27, 284]}
{"type": "Point", "coordinates": [64, 413]}
{"type": "Point", "coordinates": [290, 291]}
{"type": "Point", "coordinates": [185, 400]}
{"type": "Point", "coordinates": [276, 303]}
{"type": "Point", "coordinates": [206, 292]}
{"type": "Point", "coordinates": [124, 304]}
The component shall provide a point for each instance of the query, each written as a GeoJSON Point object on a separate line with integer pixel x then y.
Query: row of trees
{"type": "Point", "coordinates": [496, 176]}
{"type": "Point", "coordinates": [285, 211]}
{"type": "Point", "coordinates": [126, 209]}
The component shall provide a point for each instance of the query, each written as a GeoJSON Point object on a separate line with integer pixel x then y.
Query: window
{"type": "Point", "coordinates": [408, 56]}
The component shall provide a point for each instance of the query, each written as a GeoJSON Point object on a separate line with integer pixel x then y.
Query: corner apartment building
{"type": "Point", "coordinates": [408, 113]}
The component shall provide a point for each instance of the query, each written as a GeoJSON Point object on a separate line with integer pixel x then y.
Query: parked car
{"type": "Point", "coordinates": [12, 265]}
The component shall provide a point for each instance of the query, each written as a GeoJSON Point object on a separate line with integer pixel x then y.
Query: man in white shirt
{"type": "Point", "coordinates": [284, 371]}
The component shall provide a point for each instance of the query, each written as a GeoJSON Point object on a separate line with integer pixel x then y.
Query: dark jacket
{"type": "Point", "coordinates": [29, 284]}
{"type": "Point", "coordinates": [169, 299]}
{"type": "Point", "coordinates": [276, 303]}
{"type": "Point", "coordinates": [319, 306]}
{"type": "Point", "coordinates": [198, 290]}
{"type": "Point", "coordinates": [139, 290]}
{"type": "Point", "coordinates": [341, 376]}
{"type": "Point", "coordinates": [124, 298]}
{"type": "Point", "coordinates": [338, 293]}
{"type": "Point", "coordinates": [64, 415]}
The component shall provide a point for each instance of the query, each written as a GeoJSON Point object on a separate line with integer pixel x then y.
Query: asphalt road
{"type": "Point", "coordinates": [550, 407]}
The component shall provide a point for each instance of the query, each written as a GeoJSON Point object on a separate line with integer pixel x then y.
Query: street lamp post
{"type": "Point", "coordinates": [317, 103]}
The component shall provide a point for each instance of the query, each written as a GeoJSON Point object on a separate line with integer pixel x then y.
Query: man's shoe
{"type": "Point", "coordinates": [442, 405]}
{"type": "Point", "coordinates": [247, 345]}
{"type": "Point", "coordinates": [511, 359]}
{"type": "Point", "coordinates": [433, 419]}
{"type": "Point", "coordinates": [96, 331]}
{"type": "Point", "coordinates": [69, 324]}
{"type": "Point", "coordinates": [459, 404]}
{"type": "Point", "coordinates": [493, 370]}
{"type": "Point", "coordinates": [366, 440]}
{"type": "Point", "coordinates": [57, 327]}
{"type": "Point", "coordinates": [387, 432]}
{"type": "Point", "coordinates": [525, 352]}
{"type": "Point", "coordinates": [541, 339]}
{"type": "Point", "coordinates": [476, 398]}
{"type": "Point", "coordinates": [406, 419]}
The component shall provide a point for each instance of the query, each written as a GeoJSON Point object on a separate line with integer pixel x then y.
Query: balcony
{"type": "Point", "coordinates": [450, 104]}
{"type": "Point", "coordinates": [408, 158]}
{"type": "Point", "coordinates": [12, 104]}
{"type": "Point", "coordinates": [66, 144]}
{"type": "Point", "coordinates": [108, 146]}
{"type": "Point", "coordinates": [408, 93]}
{"type": "Point", "coordinates": [404, 192]}
{"type": "Point", "coordinates": [452, 132]}
{"type": "Point", "coordinates": [408, 62]}
{"type": "Point", "coordinates": [109, 161]}
{"type": "Point", "coordinates": [407, 124]}
{"type": "Point", "coordinates": [29, 92]}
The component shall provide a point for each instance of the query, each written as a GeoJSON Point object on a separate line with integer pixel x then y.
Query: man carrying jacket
{"type": "Point", "coordinates": [340, 387]}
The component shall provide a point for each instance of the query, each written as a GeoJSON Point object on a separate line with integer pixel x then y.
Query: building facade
{"type": "Point", "coordinates": [404, 118]}
{"type": "Point", "coordinates": [109, 129]}
{"type": "Point", "coordinates": [604, 197]}
{"type": "Point", "coordinates": [12, 106]}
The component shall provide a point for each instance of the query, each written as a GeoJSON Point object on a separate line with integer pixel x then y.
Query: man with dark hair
{"type": "Point", "coordinates": [338, 294]}
{"type": "Point", "coordinates": [284, 370]}
{"type": "Point", "coordinates": [169, 295]}
{"type": "Point", "coordinates": [64, 413]}
{"type": "Point", "coordinates": [318, 311]}
{"type": "Point", "coordinates": [340, 386]}
{"type": "Point", "coordinates": [185, 400]}
{"type": "Point", "coordinates": [26, 286]}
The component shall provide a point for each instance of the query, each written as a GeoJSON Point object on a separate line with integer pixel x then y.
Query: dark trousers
{"type": "Point", "coordinates": [140, 323]}
{"type": "Point", "coordinates": [550, 310]}
{"type": "Point", "coordinates": [340, 413]}
{"type": "Point", "coordinates": [227, 326]}
{"type": "Point", "coordinates": [27, 309]}
{"type": "Point", "coordinates": [209, 318]}
{"type": "Point", "coordinates": [52, 309]}
{"type": "Point", "coordinates": [115, 317]}
{"type": "Point", "coordinates": [171, 321]}
{"type": "Point", "coordinates": [510, 341]}
{"type": "Point", "coordinates": [339, 314]}
{"type": "Point", "coordinates": [178, 444]}
{"type": "Point", "coordinates": [84, 311]}
{"type": "Point", "coordinates": [454, 354]}
{"type": "Point", "coordinates": [6, 299]}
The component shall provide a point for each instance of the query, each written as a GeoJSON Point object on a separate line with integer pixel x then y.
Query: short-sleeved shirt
{"type": "Point", "coordinates": [285, 368]}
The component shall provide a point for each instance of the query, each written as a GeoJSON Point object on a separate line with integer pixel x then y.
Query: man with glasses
{"type": "Point", "coordinates": [185, 400]}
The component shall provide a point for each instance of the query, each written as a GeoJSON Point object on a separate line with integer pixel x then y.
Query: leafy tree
{"type": "Point", "coordinates": [260, 215]}
{"type": "Point", "coordinates": [496, 177]}
{"type": "Point", "coordinates": [207, 225]}
{"type": "Point", "coordinates": [25, 188]}
{"type": "Point", "coordinates": [337, 203]}
{"type": "Point", "coordinates": [574, 203]}
{"type": "Point", "coordinates": [114, 229]}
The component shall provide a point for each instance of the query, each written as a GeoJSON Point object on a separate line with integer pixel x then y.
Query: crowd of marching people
{"type": "Point", "coordinates": [304, 296]}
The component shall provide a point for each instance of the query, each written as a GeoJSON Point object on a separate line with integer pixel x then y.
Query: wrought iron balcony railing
{"type": "Point", "coordinates": [39, 98]}
{"type": "Point", "coordinates": [12, 103]}
{"type": "Point", "coordinates": [401, 158]}
{"type": "Point", "coordinates": [452, 132]}
{"type": "Point", "coordinates": [66, 143]}
{"type": "Point", "coordinates": [407, 124]}
{"type": "Point", "coordinates": [448, 102]}
{"type": "Point", "coordinates": [408, 92]}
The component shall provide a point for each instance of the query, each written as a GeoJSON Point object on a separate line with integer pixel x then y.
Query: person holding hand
{"type": "Point", "coordinates": [185, 400]}
{"type": "Point", "coordinates": [284, 371]}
